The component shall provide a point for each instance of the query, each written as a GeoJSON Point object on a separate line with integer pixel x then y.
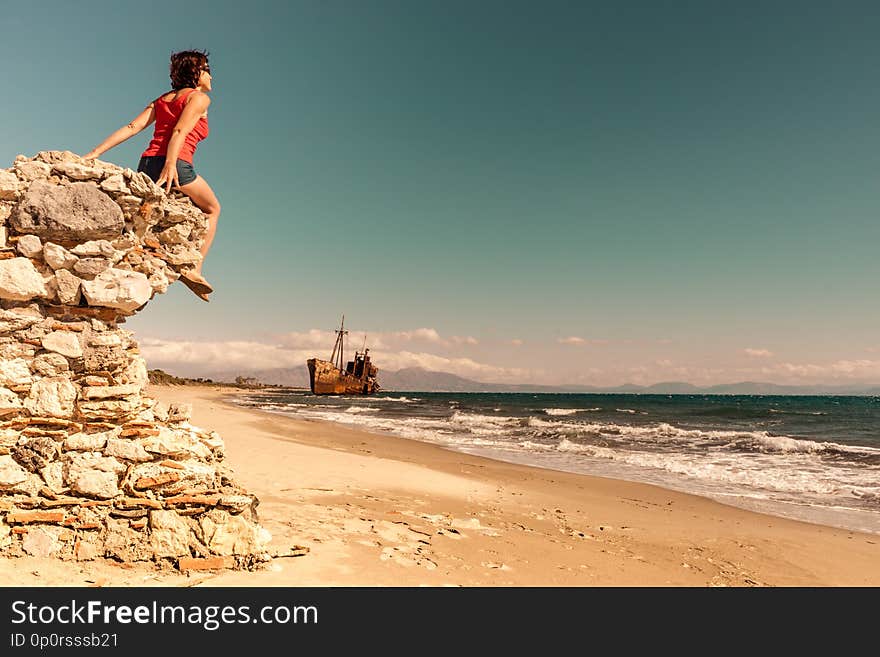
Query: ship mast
{"type": "Point", "coordinates": [339, 346]}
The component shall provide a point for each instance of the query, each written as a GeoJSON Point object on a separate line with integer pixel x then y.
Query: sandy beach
{"type": "Point", "coordinates": [377, 510]}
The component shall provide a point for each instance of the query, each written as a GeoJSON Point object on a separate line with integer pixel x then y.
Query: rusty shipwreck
{"type": "Point", "coordinates": [327, 377]}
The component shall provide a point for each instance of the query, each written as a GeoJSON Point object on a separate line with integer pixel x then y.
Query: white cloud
{"type": "Point", "coordinates": [205, 356]}
{"type": "Point", "coordinates": [841, 369]}
{"type": "Point", "coordinates": [189, 358]}
{"type": "Point", "coordinates": [757, 353]}
{"type": "Point", "coordinates": [465, 367]}
{"type": "Point", "coordinates": [424, 334]}
{"type": "Point", "coordinates": [576, 340]}
{"type": "Point", "coordinates": [311, 339]}
{"type": "Point", "coordinates": [316, 338]}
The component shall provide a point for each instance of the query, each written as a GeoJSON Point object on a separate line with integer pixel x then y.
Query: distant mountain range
{"type": "Point", "coordinates": [417, 379]}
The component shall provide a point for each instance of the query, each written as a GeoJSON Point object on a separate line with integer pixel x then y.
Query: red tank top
{"type": "Point", "coordinates": [167, 115]}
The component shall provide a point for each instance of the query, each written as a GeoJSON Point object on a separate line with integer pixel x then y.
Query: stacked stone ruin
{"type": "Point", "coordinates": [90, 466]}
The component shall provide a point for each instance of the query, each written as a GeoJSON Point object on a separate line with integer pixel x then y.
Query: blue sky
{"type": "Point", "coordinates": [557, 191]}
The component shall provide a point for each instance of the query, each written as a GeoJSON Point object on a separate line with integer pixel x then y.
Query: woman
{"type": "Point", "coordinates": [181, 117]}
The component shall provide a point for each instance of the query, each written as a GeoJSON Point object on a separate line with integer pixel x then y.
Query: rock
{"type": "Point", "coordinates": [89, 442]}
{"type": "Point", "coordinates": [67, 287]}
{"type": "Point", "coordinates": [32, 170]}
{"type": "Point", "coordinates": [35, 453]}
{"type": "Point", "coordinates": [109, 409]}
{"type": "Point", "coordinates": [108, 339]}
{"type": "Point", "coordinates": [15, 372]}
{"type": "Point", "coordinates": [140, 184]}
{"type": "Point", "coordinates": [225, 534]}
{"type": "Point", "coordinates": [169, 534]}
{"type": "Point", "coordinates": [238, 503]}
{"type": "Point", "coordinates": [123, 543]}
{"type": "Point", "coordinates": [16, 319]}
{"type": "Point", "coordinates": [53, 157]}
{"type": "Point", "coordinates": [76, 171]}
{"type": "Point", "coordinates": [177, 234]}
{"type": "Point", "coordinates": [115, 184]}
{"type": "Point", "coordinates": [104, 392]}
{"type": "Point", "coordinates": [11, 473]}
{"type": "Point", "coordinates": [190, 473]}
{"type": "Point", "coordinates": [135, 373]}
{"type": "Point", "coordinates": [169, 443]}
{"type": "Point", "coordinates": [57, 257]}
{"type": "Point", "coordinates": [117, 288]}
{"type": "Point", "coordinates": [9, 186]}
{"type": "Point", "coordinates": [96, 483]}
{"type": "Point", "coordinates": [53, 396]}
{"type": "Point", "coordinates": [160, 410]}
{"type": "Point", "coordinates": [16, 349]}
{"type": "Point", "coordinates": [129, 450]}
{"type": "Point", "coordinates": [89, 268]}
{"type": "Point", "coordinates": [159, 282]}
{"type": "Point", "coordinates": [30, 486]}
{"type": "Point", "coordinates": [104, 359]}
{"type": "Point", "coordinates": [181, 255]}
{"type": "Point", "coordinates": [10, 403]}
{"type": "Point", "coordinates": [5, 531]}
{"type": "Point", "coordinates": [87, 548]}
{"type": "Point", "coordinates": [20, 280]}
{"type": "Point", "coordinates": [51, 364]}
{"type": "Point", "coordinates": [95, 248]}
{"type": "Point", "coordinates": [5, 210]}
{"type": "Point", "coordinates": [213, 442]}
{"type": "Point", "coordinates": [30, 246]}
{"type": "Point", "coordinates": [67, 213]}
{"type": "Point", "coordinates": [41, 542]}
{"type": "Point", "coordinates": [76, 430]}
{"type": "Point", "coordinates": [179, 411]}
{"type": "Point", "coordinates": [65, 343]}
{"type": "Point", "coordinates": [53, 475]}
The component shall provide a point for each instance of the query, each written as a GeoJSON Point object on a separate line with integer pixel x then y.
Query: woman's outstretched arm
{"type": "Point", "coordinates": [142, 120]}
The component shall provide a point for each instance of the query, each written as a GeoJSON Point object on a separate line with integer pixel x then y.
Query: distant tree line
{"type": "Point", "coordinates": [160, 377]}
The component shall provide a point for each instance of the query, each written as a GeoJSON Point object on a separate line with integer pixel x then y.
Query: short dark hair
{"type": "Point", "coordinates": [186, 66]}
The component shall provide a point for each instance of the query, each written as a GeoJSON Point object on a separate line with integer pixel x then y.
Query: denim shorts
{"type": "Point", "coordinates": [152, 166]}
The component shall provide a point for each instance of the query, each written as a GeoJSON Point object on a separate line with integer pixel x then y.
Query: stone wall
{"type": "Point", "coordinates": [90, 466]}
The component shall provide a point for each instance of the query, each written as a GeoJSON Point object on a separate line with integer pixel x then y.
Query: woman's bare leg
{"type": "Point", "coordinates": [203, 196]}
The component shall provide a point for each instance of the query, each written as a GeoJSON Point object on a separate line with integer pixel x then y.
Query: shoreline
{"type": "Point", "coordinates": [381, 510]}
{"type": "Point", "coordinates": [839, 516]}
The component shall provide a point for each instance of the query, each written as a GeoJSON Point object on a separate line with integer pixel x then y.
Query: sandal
{"type": "Point", "coordinates": [196, 282]}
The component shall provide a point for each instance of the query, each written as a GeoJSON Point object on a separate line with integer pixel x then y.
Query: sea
{"type": "Point", "coordinates": [811, 458]}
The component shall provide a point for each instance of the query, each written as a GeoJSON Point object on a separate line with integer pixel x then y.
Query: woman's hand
{"type": "Point", "coordinates": [91, 155]}
{"type": "Point", "coordinates": [168, 177]}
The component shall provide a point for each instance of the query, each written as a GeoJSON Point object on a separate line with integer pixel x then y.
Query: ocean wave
{"type": "Point", "coordinates": [668, 434]}
{"type": "Point", "coordinates": [476, 423]}
{"type": "Point", "coordinates": [779, 410]}
{"type": "Point", "coordinates": [560, 411]}
{"type": "Point", "coordinates": [769, 474]}
{"type": "Point", "coordinates": [362, 409]}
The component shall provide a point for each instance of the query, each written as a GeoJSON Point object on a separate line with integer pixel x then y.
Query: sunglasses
{"type": "Point", "coordinates": [206, 69]}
